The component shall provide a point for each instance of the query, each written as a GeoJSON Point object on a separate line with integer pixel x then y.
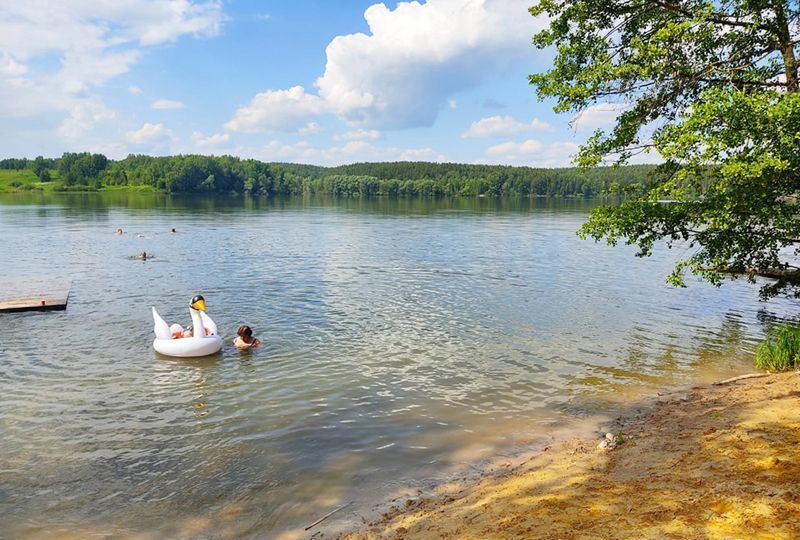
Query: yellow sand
{"type": "Point", "coordinates": [718, 462]}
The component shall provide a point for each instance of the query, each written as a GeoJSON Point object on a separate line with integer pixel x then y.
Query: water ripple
{"type": "Point", "coordinates": [395, 343]}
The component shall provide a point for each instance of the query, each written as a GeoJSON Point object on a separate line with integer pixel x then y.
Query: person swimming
{"type": "Point", "coordinates": [244, 339]}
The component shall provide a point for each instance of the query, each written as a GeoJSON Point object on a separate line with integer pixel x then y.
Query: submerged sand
{"type": "Point", "coordinates": [712, 462]}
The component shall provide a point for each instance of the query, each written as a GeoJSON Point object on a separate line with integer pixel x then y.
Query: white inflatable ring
{"type": "Point", "coordinates": [204, 342]}
{"type": "Point", "coordinates": [188, 346]}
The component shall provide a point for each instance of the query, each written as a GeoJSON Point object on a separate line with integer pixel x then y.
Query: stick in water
{"type": "Point", "coordinates": [329, 514]}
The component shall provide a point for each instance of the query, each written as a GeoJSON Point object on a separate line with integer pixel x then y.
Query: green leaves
{"type": "Point", "coordinates": [709, 86]}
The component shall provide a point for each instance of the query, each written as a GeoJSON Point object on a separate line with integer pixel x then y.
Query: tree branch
{"type": "Point", "coordinates": [718, 18]}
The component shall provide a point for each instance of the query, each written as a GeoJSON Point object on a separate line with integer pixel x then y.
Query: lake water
{"type": "Point", "coordinates": [403, 340]}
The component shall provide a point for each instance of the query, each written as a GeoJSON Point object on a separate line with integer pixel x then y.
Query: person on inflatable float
{"type": "Point", "coordinates": [204, 342]}
{"type": "Point", "coordinates": [177, 331]}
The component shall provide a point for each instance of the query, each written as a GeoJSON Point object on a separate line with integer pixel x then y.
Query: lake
{"type": "Point", "coordinates": [404, 340]}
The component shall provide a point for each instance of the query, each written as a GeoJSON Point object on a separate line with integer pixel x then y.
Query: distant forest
{"type": "Point", "coordinates": [227, 174]}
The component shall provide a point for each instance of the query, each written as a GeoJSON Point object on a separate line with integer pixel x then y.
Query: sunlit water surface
{"type": "Point", "coordinates": [402, 341]}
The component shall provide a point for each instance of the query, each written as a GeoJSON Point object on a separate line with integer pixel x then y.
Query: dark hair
{"type": "Point", "coordinates": [245, 331]}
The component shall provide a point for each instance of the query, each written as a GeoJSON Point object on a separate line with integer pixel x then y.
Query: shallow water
{"type": "Point", "coordinates": [402, 339]}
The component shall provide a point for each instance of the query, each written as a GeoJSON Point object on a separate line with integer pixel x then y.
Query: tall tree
{"type": "Point", "coordinates": [713, 87]}
{"type": "Point", "coordinates": [39, 168]}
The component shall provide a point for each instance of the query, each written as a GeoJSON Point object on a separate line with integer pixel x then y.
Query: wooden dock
{"type": "Point", "coordinates": [39, 295]}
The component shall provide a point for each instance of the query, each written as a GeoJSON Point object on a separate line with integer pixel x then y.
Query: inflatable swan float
{"type": "Point", "coordinates": [203, 342]}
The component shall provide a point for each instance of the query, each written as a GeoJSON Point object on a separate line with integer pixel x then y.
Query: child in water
{"type": "Point", "coordinates": [244, 339]}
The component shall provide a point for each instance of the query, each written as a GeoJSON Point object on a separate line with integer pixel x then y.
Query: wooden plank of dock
{"type": "Point", "coordinates": [42, 295]}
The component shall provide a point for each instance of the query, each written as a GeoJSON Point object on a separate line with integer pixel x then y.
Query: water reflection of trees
{"type": "Point", "coordinates": [645, 363]}
{"type": "Point", "coordinates": [706, 345]}
{"type": "Point", "coordinates": [732, 341]}
{"type": "Point", "coordinates": [99, 203]}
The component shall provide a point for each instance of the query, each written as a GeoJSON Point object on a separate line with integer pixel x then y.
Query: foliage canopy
{"type": "Point", "coordinates": [713, 87]}
{"type": "Point", "coordinates": [229, 174]}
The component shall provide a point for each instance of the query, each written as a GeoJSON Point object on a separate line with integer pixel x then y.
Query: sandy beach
{"type": "Point", "coordinates": [717, 461]}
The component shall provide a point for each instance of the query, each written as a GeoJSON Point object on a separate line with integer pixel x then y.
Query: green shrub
{"type": "Point", "coordinates": [15, 183]}
{"type": "Point", "coordinates": [781, 350]}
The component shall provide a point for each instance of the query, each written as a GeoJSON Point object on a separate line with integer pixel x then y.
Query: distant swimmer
{"type": "Point", "coordinates": [173, 231]}
{"type": "Point", "coordinates": [120, 232]}
{"type": "Point", "coordinates": [142, 256]}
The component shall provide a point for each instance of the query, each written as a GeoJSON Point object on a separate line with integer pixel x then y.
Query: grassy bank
{"type": "Point", "coordinates": [23, 180]}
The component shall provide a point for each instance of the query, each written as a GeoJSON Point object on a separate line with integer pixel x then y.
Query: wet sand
{"type": "Point", "coordinates": [709, 462]}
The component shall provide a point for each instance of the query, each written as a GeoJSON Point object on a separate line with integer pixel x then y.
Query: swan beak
{"type": "Point", "coordinates": [200, 305]}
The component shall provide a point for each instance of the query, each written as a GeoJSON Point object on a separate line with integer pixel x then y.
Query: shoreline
{"type": "Point", "coordinates": [711, 461]}
{"type": "Point", "coordinates": [146, 189]}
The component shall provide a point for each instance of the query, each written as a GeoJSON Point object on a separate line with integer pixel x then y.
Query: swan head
{"type": "Point", "coordinates": [198, 303]}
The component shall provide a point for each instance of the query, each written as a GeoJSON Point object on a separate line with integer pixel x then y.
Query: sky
{"type": "Point", "coordinates": [306, 81]}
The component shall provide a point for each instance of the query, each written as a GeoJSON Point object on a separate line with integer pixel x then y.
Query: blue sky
{"type": "Point", "coordinates": [310, 81]}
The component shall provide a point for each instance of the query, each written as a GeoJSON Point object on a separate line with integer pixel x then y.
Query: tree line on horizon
{"type": "Point", "coordinates": [228, 174]}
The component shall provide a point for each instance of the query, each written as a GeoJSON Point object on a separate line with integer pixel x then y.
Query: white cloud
{"type": "Point", "coordinates": [420, 154]}
{"type": "Point", "coordinates": [358, 135]}
{"type": "Point", "coordinates": [508, 148]}
{"type": "Point", "coordinates": [9, 67]}
{"type": "Point", "coordinates": [404, 71]}
{"type": "Point", "coordinates": [309, 129]}
{"type": "Point", "coordinates": [349, 152]}
{"type": "Point", "coordinates": [83, 44]}
{"type": "Point", "coordinates": [493, 126]}
{"type": "Point", "coordinates": [168, 104]}
{"type": "Point", "coordinates": [135, 90]}
{"type": "Point", "coordinates": [162, 21]}
{"type": "Point", "coordinates": [83, 116]}
{"type": "Point", "coordinates": [453, 104]}
{"type": "Point", "coordinates": [19, 96]}
{"type": "Point", "coordinates": [101, 36]}
{"type": "Point", "coordinates": [417, 55]}
{"type": "Point", "coordinates": [149, 133]}
{"type": "Point", "coordinates": [277, 110]}
{"type": "Point", "coordinates": [212, 140]}
{"type": "Point", "coordinates": [533, 152]}
{"type": "Point", "coordinates": [600, 116]}
{"type": "Point", "coordinates": [112, 150]}
{"type": "Point", "coordinates": [96, 67]}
